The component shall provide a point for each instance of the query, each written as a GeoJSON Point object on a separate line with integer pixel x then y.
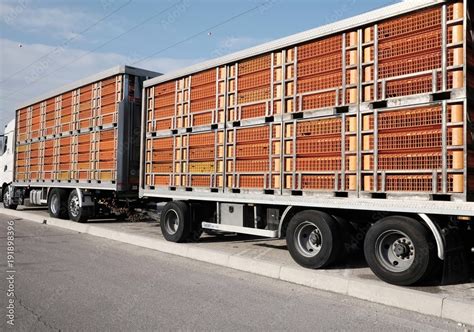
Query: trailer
{"type": "Point", "coordinates": [77, 148]}
{"type": "Point", "coordinates": [354, 134]}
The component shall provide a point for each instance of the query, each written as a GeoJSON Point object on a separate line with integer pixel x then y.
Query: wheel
{"type": "Point", "coordinates": [313, 239]}
{"type": "Point", "coordinates": [400, 251]}
{"type": "Point", "coordinates": [74, 209]}
{"type": "Point", "coordinates": [7, 199]}
{"type": "Point", "coordinates": [57, 203]}
{"type": "Point", "coordinates": [175, 222]}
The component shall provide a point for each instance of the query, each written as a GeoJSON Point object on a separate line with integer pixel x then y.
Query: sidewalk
{"type": "Point", "coordinates": [270, 258]}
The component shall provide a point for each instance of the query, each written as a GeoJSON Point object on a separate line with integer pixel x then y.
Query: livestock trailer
{"type": "Point", "coordinates": [77, 148]}
{"type": "Point", "coordinates": [358, 127]}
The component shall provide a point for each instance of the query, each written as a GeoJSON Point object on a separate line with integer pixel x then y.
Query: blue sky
{"type": "Point", "coordinates": [74, 39]}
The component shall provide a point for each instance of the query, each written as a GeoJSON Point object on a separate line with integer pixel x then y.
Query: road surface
{"type": "Point", "coordinates": [68, 281]}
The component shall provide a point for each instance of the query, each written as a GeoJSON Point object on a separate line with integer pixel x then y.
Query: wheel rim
{"type": "Point", "coordinates": [171, 222]}
{"type": "Point", "coordinates": [308, 239]}
{"type": "Point", "coordinates": [74, 207]}
{"type": "Point", "coordinates": [54, 203]}
{"type": "Point", "coordinates": [395, 251]}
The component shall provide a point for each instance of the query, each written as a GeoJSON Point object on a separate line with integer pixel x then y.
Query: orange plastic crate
{"type": "Point", "coordinates": [318, 182]}
{"type": "Point", "coordinates": [320, 47]}
{"type": "Point", "coordinates": [318, 82]}
{"type": "Point", "coordinates": [162, 168]}
{"type": "Point", "coordinates": [318, 164]}
{"type": "Point", "coordinates": [413, 183]}
{"type": "Point", "coordinates": [419, 43]}
{"type": "Point", "coordinates": [252, 150]}
{"type": "Point", "coordinates": [411, 86]}
{"type": "Point", "coordinates": [255, 64]}
{"type": "Point", "coordinates": [165, 143]}
{"type": "Point", "coordinates": [247, 166]}
{"type": "Point", "coordinates": [205, 153]}
{"type": "Point", "coordinates": [163, 156]}
{"type": "Point", "coordinates": [318, 127]}
{"type": "Point", "coordinates": [164, 112]}
{"type": "Point", "coordinates": [253, 111]}
{"type": "Point", "coordinates": [254, 95]}
{"type": "Point", "coordinates": [162, 101]}
{"type": "Point", "coordinates": [203, 91]}
{"type": "Point", "coordinates": [165, 88]}
{"type": "Point", "coordinates": [410, 24]}
{"type": "Point", "coordinates": [203, 104]}
{"type": "Point", "coordinates": [261, 133]}
{"type": "Point", "coordinates": [163, 124]}
{"type": "Point", "coordinates": [409, 118]}
{"type": "Point", "coordinates": [202, 139]}
{"type": "Point", "coordinates": [252, 81]}
{"type": "Point", "coordinates": [252, 181]}
{"type": "Point", "coordinates": [320, 100]}
{"type": "Point", "coordinates": [161, 180]}
{"type": "Point", "coordinates": [318, 146]}
{"type": "Point", "coordinates": [202, 119]}
{"type": "Point", "coordinates": [204, 77]}
{"type": "Point", "coordinates": [410, 141]}
{"type": "Point", "coordinates": [320, 65]}
{"type": "Point", "coordinates": [410, 65]}
{"type": "Point", "coordinates": [411, 161]}
{"type": "Point", "coordinates": [201, 181]}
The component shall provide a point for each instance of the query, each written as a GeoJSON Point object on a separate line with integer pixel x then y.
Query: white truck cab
{"type": "Point", "coordinates": [6, 157]}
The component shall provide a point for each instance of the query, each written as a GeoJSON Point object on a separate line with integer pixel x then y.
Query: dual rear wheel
{"type": "Point", "coordinates": [399, 250]}
{"type": "Point", "coordinates": [66, 205]}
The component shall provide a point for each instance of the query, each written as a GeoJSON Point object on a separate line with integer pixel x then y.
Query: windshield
{"type": "Point", "coordinates": [3, 144]}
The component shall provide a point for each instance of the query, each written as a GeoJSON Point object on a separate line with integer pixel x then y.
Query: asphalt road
{"type": "Point", "coordinates": [69, 281]}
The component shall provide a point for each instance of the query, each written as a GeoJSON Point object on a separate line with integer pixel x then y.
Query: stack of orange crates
{"type": "Point", "coordinates": [71, 136]}
{"type": "Point", "coordinates": [373, 109]}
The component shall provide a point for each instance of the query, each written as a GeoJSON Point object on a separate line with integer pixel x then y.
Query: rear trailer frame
{"type": "Point", "coordinates": [328, 129]}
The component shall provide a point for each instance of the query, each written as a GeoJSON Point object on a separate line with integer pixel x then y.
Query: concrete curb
{"type": "Point", "coordinates": [458, 310]}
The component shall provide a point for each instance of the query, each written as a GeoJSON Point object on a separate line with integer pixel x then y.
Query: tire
{"type": "Point", "coordinates": [7, 202]}
{"type": "Point", "coordinates": [175, 222]}
{"type": "Point", "coordinates": [400, 250]}
{"type": "Point", "coordinates": [57, 203]}
{"type": "Point", "coordinates": [76, 212]}
{"type": "Point", "coordinates": [313, 239]}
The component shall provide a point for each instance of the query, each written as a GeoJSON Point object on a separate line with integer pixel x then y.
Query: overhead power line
{"type": "Point", "coordinates": [66, 42]}
{"type": "Point", "coordinates": [146, 58]}
{"type": "Point", "coordinates": [202, 32]}
{"type": "Point", "coordinates": [92, 50]}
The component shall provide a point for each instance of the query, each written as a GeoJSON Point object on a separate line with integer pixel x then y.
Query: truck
{"type": "Point", "coordinates": [354, 135]}
{"type": "Point", "coordinates": [77, 148]}
{"type": "Point", "coordinates": [7, 148]}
